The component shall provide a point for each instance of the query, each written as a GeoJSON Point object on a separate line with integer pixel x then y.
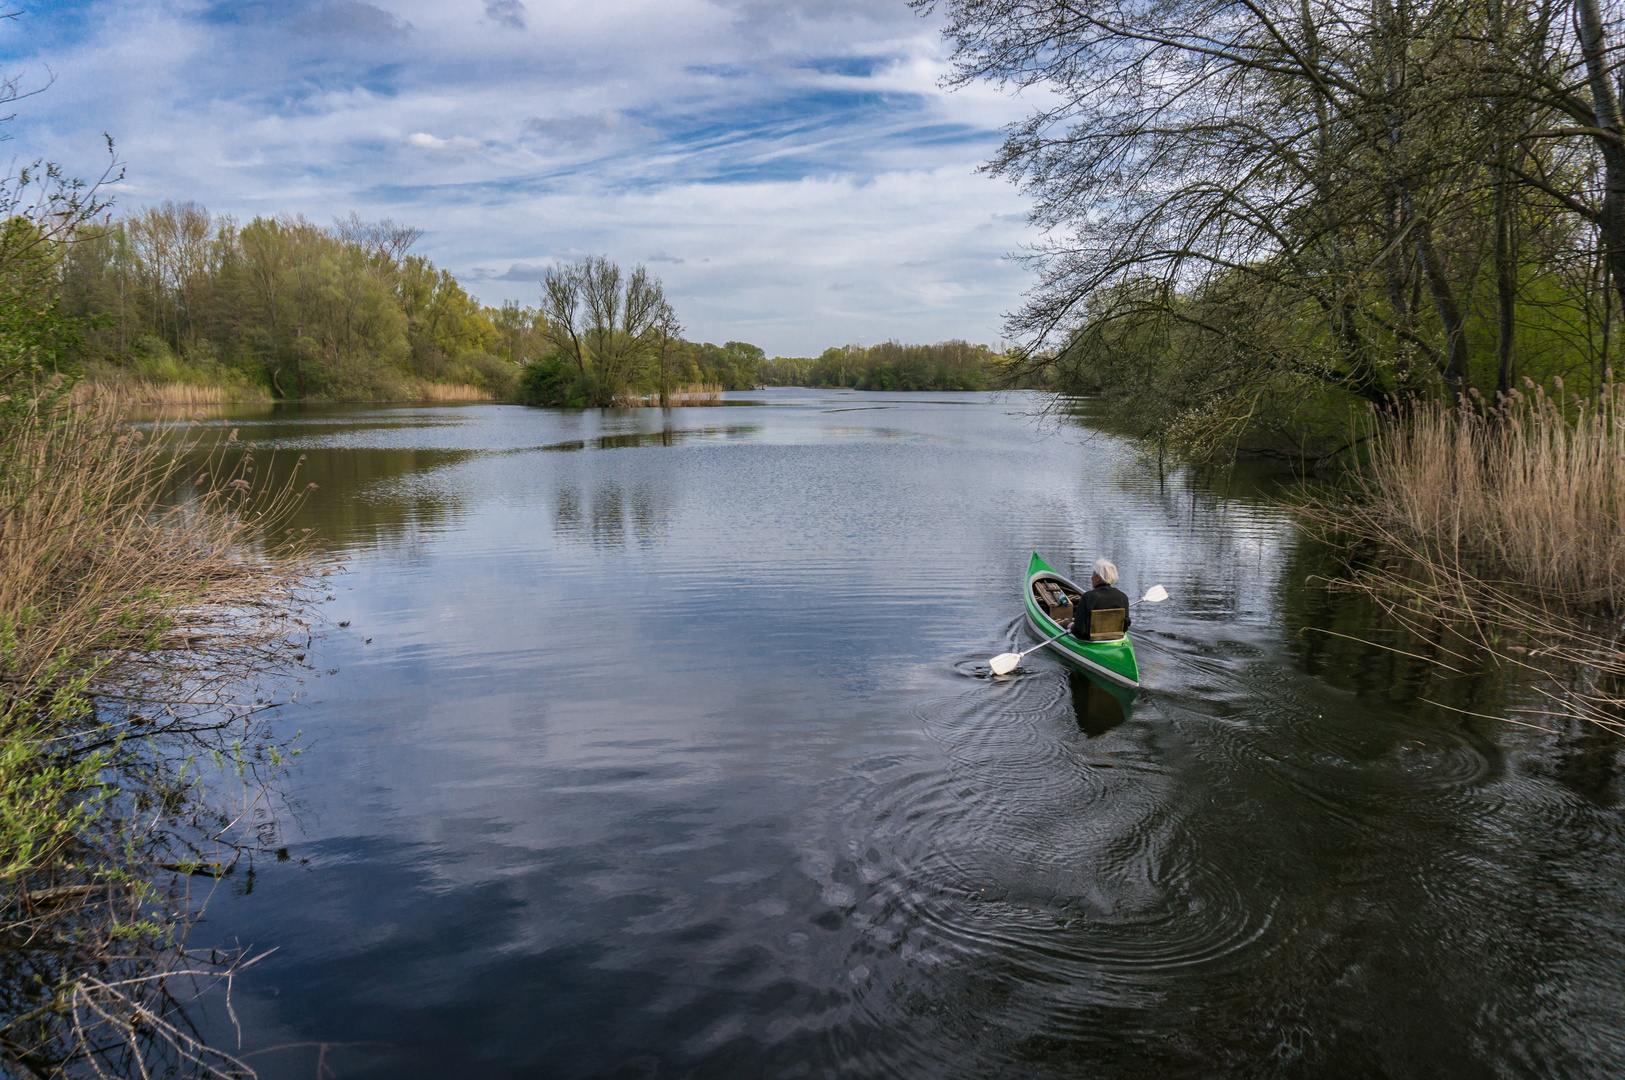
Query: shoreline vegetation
{"type": "Point", "coordinates": [174, 305]}
{"type": "Point", "coordinates": [1497, 538]}
{"type": "Point", "coordinates": [152, 617]}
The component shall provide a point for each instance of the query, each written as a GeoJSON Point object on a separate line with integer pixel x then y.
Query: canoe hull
{"type": "Point", "coordinates": [1112, 661]}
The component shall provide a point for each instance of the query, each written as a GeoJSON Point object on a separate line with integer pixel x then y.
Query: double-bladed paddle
{"type": "Point", "coordinates": [1005, 663]}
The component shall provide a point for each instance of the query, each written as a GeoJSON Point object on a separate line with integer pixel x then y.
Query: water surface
{"type": "Point", "coordinates": [663, 745]}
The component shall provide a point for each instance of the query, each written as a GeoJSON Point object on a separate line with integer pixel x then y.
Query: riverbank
{"type": "Point", "coordinates": [135, 626]}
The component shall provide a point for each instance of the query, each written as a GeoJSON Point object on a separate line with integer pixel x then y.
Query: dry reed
{"type": "Point", "coordinates": [1508, 526]}
{"type": "Point", "coordinates": [1536, 497]}
{"type": "Point", "coordinates": [144, 584]}
{"type": "Point", "coordinates": [127, 389]}
{"type": "Point", "coordinates": [693, 394]}
{"type": "Point", "coordinates": [449, 392]}
{"type": "Point", "coordinates": [134, 390]}
{"type": "Point", "coordinates": [90, 543]}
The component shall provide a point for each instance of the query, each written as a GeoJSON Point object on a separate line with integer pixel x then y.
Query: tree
{"type": "Point", "coordinates": [1353, 165]}
{"type": "Point", "coordinates": [670, 330]}
{"type": "Point", "coordinates": [383, 240]}
{"type": "Point", "coordinates": [606, 324]}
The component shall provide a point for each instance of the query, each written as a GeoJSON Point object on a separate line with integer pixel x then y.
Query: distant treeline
{"type": "Point", "coordinates": [948, 365]}
{"type": "Point", "coordinates": [288, 308]}
{"type": "Point", "coordinates": [283, 307]}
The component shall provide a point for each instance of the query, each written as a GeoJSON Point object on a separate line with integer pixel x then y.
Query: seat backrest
{"type": "Point", "coordinates": [1106, 624]}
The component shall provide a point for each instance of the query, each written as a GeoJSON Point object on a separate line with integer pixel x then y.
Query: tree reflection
{"type": "Point", "coordinates": [615, 511]}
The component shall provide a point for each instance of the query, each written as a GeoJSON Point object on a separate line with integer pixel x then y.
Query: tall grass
{"type": "Point", "coordinates": [690, 395]}
{"type": "Point", "coordinates": [107, 383]}
{"type": "Point", "coordinates": [1532, 491]}
{"type": "Point", "coordinates": [144, 582]}
{"type": "Point", "coordinates": [449, 392]}
{"type": "Point", "coordinates": [1507, 525]}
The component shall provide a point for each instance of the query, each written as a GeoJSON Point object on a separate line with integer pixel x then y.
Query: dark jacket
{"type": "Point", "coordinates": [1103, 597]}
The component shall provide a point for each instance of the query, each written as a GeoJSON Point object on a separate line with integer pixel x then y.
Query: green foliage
{"type": "Point", "coordinates": [174, 294]}
{"type": "Point", "coordinates": [1257, 217]}
{"type": "Point", "coordinates": [736, 365]}
{"type": "Point", "coordinates": [48, 794]}
{"type": "Point", "coordinates": [1237, 368]}
{"type": "Point", "coordinates": [488, 372]}
{"type": "Point", "coordinates": [948, 365]}
{"type": "Point", "coordinates": [40, 210]}
{"type": "Point", "coordinates": [551, 380]}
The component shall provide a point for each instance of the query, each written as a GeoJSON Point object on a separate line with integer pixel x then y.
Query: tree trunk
{"type": "Point", "coordinates": [1611, 144]}
{"type": "Point", "coordinates": [1449, 311]}
{"type": "Point", "coordinates": [1506, 277]}
{"type": "Point", "coordinates": [665, 397]}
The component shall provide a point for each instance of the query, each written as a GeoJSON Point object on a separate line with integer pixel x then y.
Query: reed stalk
{"type": "Point", "coordinates": [451, 392]}
{"type": "Point", "coordinates": [111, 385]}
{"type": "Point", "coordinates": [137, 391]}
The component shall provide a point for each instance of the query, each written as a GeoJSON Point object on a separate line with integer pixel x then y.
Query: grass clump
{"type": "Point", "coordinates": [1532, 491]}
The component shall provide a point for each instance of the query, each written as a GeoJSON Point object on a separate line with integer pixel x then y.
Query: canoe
{"type": "Point", "coordinates": [1112, 661]}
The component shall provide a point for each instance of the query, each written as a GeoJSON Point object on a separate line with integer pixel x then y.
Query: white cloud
{"type": "Point", "coordinates": [766, 152]}
{"type": "Point", "coordinates": [455, 148]}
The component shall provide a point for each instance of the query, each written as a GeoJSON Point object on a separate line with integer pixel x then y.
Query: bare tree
{"type": "Point", "coordinates": [606, 323]}
{"type": "Point", "coordinates": [382, 239]}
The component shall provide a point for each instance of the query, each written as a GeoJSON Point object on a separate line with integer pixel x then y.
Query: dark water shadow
{"type": "Point", "coordinates": [665, 437]}
{"type": "Point", "coordinates": [1098, 705]}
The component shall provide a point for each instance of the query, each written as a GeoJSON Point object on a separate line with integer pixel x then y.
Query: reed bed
{"type": "Point", "coordinates": [129, 389]}
{"type": "Point", "coordinates": [147, 585]}
{"type": "Point", "coordinates": [693, 394]}
{"type": "Point", "coordinates": [1534, 489]}
{"type": "Point", "coordinates": [133, 390]}
{"type": "Point", "coordinates": [1507, 525]}
{"type": "Point", "coordinates": [451, 392]}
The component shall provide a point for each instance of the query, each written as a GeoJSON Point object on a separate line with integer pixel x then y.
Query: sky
{"type": "Point", "coordinates": [793, 172]}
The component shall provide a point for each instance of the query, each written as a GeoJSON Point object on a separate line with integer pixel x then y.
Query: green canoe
{"type": "Point", "coordinates": [1109, 660]}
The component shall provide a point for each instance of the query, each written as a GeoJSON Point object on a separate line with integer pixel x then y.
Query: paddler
{"type": "Point", "coordinates": [1101, 596]}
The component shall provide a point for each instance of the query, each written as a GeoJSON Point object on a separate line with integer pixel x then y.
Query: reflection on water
{"type": "Point", "coordinates": [1099, 705]}
{"type": "Point", "coordinates": [602, 520]}
{"type": "Point", "coordinates": [666, 436]}
{"type": "Point", "coordinates": [681, 758]}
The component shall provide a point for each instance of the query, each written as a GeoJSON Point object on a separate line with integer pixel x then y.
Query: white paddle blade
{"type": "Point", "coordinates": [1156, 596]}
{"type": "Point", "coordinates": [1004, 663]}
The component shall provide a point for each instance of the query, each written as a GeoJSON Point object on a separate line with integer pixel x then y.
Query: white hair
{"type": "Point", "coordinates": [1107, 571]}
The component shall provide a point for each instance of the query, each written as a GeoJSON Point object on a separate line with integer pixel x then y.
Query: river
{"type": "Point", "coordinates": [664, 745]}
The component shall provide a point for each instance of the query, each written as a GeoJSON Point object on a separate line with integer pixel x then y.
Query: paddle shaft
{"type": "Point", "coordinates": [1041, 644]}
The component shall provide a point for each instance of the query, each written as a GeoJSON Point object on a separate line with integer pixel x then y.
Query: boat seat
{"type": "Point", "coordinates": [1106, 624]}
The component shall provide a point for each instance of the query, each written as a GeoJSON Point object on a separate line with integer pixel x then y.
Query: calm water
{"type": "Point", "coordinates": [672, 753]}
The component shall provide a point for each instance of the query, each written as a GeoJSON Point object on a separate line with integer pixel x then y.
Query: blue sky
{"type": "Point", "coordinates": [792, 171]}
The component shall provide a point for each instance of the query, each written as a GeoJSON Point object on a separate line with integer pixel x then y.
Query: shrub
{"type": "Point", "coordinates": [551, 380]}
{"type": "Point", "coordinates": [488, 372]}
